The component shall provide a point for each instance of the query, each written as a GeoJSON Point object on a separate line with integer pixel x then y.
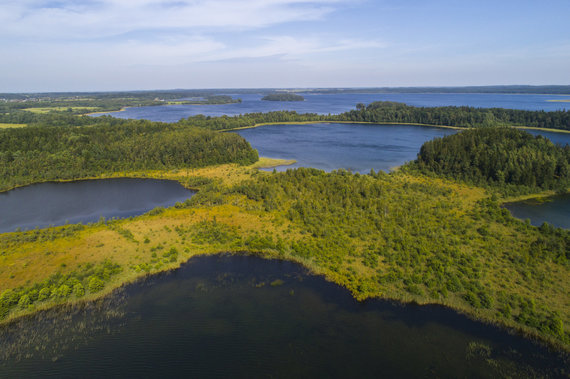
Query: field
{"type": "Point", "coordinates": [43, 110]}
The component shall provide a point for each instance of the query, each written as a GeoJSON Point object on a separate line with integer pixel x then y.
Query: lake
{"type": "Point", "coordinates": [329, 146]}
{"type": "Point", "coordinates": [557, 138]}
{"type": "Point", "coordinates": [44, 204]}
{"type": "Point", "coordinates": [246, 317]}
{"type": "Point", "coordinates": [339, 103]}
{"type": "Point", "coordinates": [555, 210]}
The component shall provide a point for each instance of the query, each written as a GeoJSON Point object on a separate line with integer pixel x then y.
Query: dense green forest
{"type": "Point", "coordinates": [385, 111]}
{"type": "Point", "coordinates": [283, 97]}
{"type": "Point", "coordinates": [39, 153]}
{"type": "Point", "coordinates": [501, 157]}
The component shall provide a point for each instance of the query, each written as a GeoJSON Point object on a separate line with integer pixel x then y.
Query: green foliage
{"type": "Point", "coordinates": [500, 157]}
{"type": "Point", "coordinates": [385, 111]}
{"type": "Point", "coordinates": [59, 287]}
{"type": "Point", "coordinates": [390, 234]}
{"type": "Point", "coordinates": [95, 284]}
{"type": "Point", "coordinates": [79, 290]}
{"type": "Point", "coordinates": [283, 97]}
{"type": "Point", "coordinates": [39, 153]}
{"type": "Point", "coordinates": [212, 232]}
{"type": "Point", "coordinates": [171, 255]}
{"type": "Point", "coordinates": [8, 240]}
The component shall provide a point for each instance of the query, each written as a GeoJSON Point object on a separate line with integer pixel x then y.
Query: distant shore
{"type": "Point", "coordinates": [105, 112]}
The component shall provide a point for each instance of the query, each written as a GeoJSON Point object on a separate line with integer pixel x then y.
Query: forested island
{"type": "Point", "coordinates": [283, 97]}
{"type": "Point", "coordinates": [432, 232]}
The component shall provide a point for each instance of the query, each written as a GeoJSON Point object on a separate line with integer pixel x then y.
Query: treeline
{"type": "Point", "coordinates": [385, 111]}
{"type": "Point", "coordinates": [377, 112]}
{"type": "Point", "coordinates": [503, 157]}
{"type": "Point", "coordinates": [283, 97]}
{"type": "Point", "coordinates": [40, 153]}
{"type": "Point", "coordinates": [249, 119]}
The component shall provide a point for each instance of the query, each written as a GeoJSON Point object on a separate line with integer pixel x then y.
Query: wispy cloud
{"type": "Point", "coordinates": [163, 32]}
{"type": "Point", "coordinates": [72, 19]}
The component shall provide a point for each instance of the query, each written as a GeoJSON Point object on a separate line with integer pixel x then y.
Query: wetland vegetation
{"type": "Point", "coordinates": [423, 234]}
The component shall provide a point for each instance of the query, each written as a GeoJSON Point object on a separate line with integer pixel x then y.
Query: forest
{"type": "Point", "coordinates": [41, 153]}
{"type": "Point", "coordinates": [467, 117]}
{"type": "Point", "coordinates": [387, 112]}
{"type": "Point", "coordinates": [507, 158]}
{"type": "Point", "coordinates": [283, 97]}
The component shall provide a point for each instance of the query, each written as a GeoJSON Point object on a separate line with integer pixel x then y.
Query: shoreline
{"type": "Point", "coordinates": [105, 112]}
{"type": "Point", "coordinates": [113, 288]}
{"type": "Point", "coordinates": [129, 277]}
{"type": "Point", "coordinates": [263, 162]}
{"type": "Point", "coordinates": [172, 214]}
{"type": "Point", "coordinates": [339, 122]}
{"type": "Point", "coordinates": [563, 131]}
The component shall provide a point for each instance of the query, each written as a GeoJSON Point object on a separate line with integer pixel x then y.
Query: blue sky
{"type": "Point", "coordinates": [91, 45]}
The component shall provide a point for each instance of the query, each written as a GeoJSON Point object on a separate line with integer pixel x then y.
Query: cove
{"type": "Point", "coordinates": [243, 316]}
{"type": "Point", "coordinates": [555, 210]}
{"type": "Point", "coordinates": [52, 203]}
{"type": "Point", "coordinates": [330, 146]}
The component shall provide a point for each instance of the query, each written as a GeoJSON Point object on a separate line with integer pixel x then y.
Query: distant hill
{"type": "Point", "coordinates": [283, 97]}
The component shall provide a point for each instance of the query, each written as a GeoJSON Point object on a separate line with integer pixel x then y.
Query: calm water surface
{"type": "Point", "coordinates": [555, 210]}
{"type": "Point", "coordinates": [356, 147]}
{"type": "Point", "coordinates": [558, 138]}
{"type": "Point", "coordinates": [221, 316]}
{"type": "Point", "coordinates": [41, 205]}
{"type": "Point", "coordinates": [339, 103]}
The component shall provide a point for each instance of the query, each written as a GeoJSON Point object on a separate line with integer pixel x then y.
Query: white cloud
{"type": "Point", "coordinates": [97, 19]}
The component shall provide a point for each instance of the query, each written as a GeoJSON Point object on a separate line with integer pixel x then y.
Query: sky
{"type": "Point", "coordinates": [100, 45]}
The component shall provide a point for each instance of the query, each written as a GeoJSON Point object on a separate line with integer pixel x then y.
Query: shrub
{"type": "Point", "coordinates": [95, 284]}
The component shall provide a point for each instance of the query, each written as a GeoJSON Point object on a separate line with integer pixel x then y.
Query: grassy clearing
{"type": "Point", "coordinates": [264, 162]}
{"type": "Point", "coordinates": [5, 126]}
{"type": "Point", "coordinates": [43, 110]}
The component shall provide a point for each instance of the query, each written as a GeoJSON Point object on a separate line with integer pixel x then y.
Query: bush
{"type": "Point", "coordinates": [79, 290]}
{"type": "Point", "coordinates": [95, 284]}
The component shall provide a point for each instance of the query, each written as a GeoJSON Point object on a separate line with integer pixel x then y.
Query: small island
{"type": "Point", "coordinates": [283, 97]}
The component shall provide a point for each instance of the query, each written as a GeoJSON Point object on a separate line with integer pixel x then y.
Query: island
{"type": "Point", "coordinates": [283, 97]}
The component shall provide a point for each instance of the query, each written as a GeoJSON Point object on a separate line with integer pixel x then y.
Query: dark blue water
{"type": "Point", "coordinates": [558, 138]}
{"type": "Point", "coordinates": [355, 147]}
{"type": "Point", "coordinates": [555, 210]}
{"type": "Point", "coordinates": [44, 204]}
{"type": "Point", "coordinates": [220, 316]}
{"type": "Point", "coordinates": [339, 103]}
